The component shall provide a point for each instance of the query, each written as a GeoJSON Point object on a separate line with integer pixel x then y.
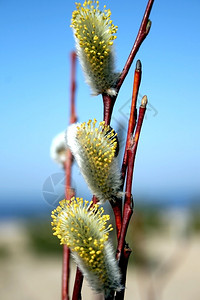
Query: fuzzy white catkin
{"type": "Point", "coordinates": [58, 149]}
{"type": "Point", "coordinates": [113, 276]}
{"type": "Point", "coordinates": [94, 33]}
{"type": "Point", "coordinates": [94, 151]}
{"type": "Point", "coordinates": [82, 226]}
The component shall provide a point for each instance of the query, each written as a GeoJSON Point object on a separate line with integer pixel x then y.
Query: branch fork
{"type": "Point", "coordinates": [122, 216]}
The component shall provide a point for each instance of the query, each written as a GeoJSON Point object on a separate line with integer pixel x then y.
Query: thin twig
{"type": "Point", "coordinates": [142, 34]}
{"type": "Point", "coordinates": [128, 202]}
{"type": "Point", "coordinates": [131, 153]}
{"type": "Point", "coordinates": [108, 108]}
{"type": "Point", "coordinates": [65, 273]}
{"type": "Point", "coordinates": [123, 267]}
{"type": "Point", "coordinates": [78, 285]}
{"type": "Point", "coordinates": [109, 101]}
{"type": "Point", "coordinates": [94, 199]}
{"type": "Point", "coordinates": [108, 104]}
{"type": "Point", "coordinates": [133, 116]}
{"type": "Point", "coordinates": [117, 210]}
{"type": "Point", "coordinates": [73, 117]}
{"type": "Point", "coordinates": [68, 192]}
{"type": "Point", "coordinates": [66, 251]}
{"type": "Point", "coordinates": [117, 205]}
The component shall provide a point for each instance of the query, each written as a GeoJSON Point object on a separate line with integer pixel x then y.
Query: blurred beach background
{"type": "Point", "coordinates": [36, 42]}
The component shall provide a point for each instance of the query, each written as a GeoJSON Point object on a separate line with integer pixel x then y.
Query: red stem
{"type": "Point", "coordinates": [108, 108]}
{"type": "Point", "coordinates": [68, 192]}
{"type": "Point", "coordinates": [123, 267]}
{"type": "Point", "coordinates": [66, 251]}
{"type": "Point", "coordinates": [128, 202]}
{"type": "Point", "coordinates": [65, 273]}
{"type": "Point", "coordinates": [108, 102]}
{"type": "Point", "coordinates": [94, 199]}
{"type": "Point", "coordinates": [117, 210]}
{"type": "Point", "coordinates": [133, 116]}
{"type": "Point", "coordinates": [117, 206]}
{"type": "Point", "coordinates": [142, 33]}
{"type": "Point", "coordinates": [77, 285]}
{"type": "Point", "coordinates": [73, 117]}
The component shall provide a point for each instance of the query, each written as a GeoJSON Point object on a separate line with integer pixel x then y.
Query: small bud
{"type": "Point", "coordinates": [144, 101]}
{"type": "Point", "coordinates": [148, 26]}
{"type": "Point", "coordinates": [138, 65]}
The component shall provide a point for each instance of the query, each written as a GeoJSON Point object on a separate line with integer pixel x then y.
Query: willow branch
{"type": "Point", "coordinates": [128, 202]}
{"type": "Point", "coordinates": [117, 210]}
{"type": "Point", "coordinates": [108, 104]}
{"type": "Point", "coordinates": [142, 34]}
{"type": "Point", "coordinates": [131, 153]}
{"type": "Point", "coordinates": [66, 252]}
{"type": "Point", "coordinates": [65, 273]}
{"type": "Point", "coordinates": [123, 267]}
{"type": "Point", "coordinates": [77, 285]}
{"type": "Point", "coordinates": [117, 205]}
{"type": "Point", "coordinates": [68, 192]}
{"type": "Point", "coordinates": [73, 117]}
{"type": "Point", "coordinates": [109, 101]}
{"type": "Point", "coordinates": [133, 116]}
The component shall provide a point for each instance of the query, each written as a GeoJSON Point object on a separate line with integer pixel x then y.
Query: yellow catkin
{"type": "Point", "coordinates": [94, 32]}
{"type": "Point", "coordinates": [97, 148]}
{"type": "Point", "coordinates": [91, 234]}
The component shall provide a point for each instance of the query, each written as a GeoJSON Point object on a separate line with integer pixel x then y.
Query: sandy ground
{"type": "Point", "coordinates": [24, 276]}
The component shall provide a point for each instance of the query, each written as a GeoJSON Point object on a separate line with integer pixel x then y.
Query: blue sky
{"type": "Point", "coordinates": [36, 41]}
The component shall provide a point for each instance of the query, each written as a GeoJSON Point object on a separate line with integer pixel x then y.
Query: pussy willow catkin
{"type": "Point", "coordinates": [82, 226]}
{"type": "Point", "coordinates": [94, 149]}
{"type": "Point", "coordinates": [94, 34]}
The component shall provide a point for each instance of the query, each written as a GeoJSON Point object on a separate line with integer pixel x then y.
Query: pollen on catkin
{"type": "Point", "coordinates": [94, 149]}
{"type": "Point", "coordinates": [82, 226]}
{"type": "Point", "coordinates": [94, 34]}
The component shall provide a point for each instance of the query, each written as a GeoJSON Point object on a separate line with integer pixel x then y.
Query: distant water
{"type": "Point", "coordinates": [24, 209]}
{"type": "Point", "coordinates": [37, 206]}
